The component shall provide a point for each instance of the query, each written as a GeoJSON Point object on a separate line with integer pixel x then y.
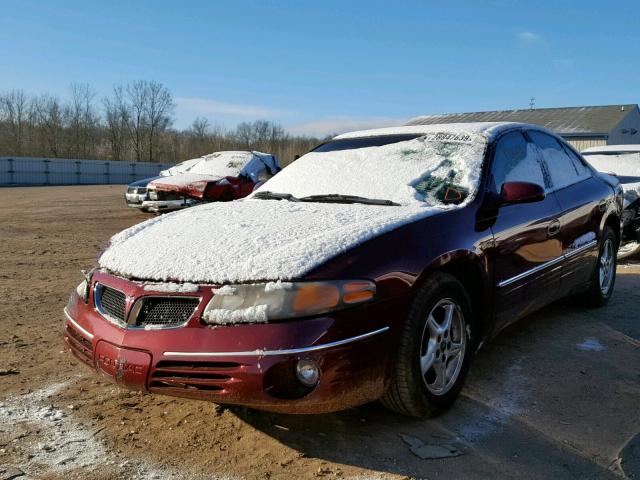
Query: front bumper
{"type": "Point", "coordinates": [251, 365]}
{"type": "Point", "coordinates": [158, 206]}
{"type": "Point", "coordinates": [135, 200]}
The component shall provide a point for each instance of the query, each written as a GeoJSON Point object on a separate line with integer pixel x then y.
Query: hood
{"type": "Point", "coordinates": [142, 183]}
{"type": "Point", "coordinates": [190, 184]}
{"type": "Point", "coordinates": [249, 240]}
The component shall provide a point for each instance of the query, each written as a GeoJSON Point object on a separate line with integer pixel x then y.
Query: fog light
{"type": "Point", "coordinates": [308, 372]}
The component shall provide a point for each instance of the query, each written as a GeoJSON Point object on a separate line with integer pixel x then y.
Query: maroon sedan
{"type": "Point", "coordinates": [371, 268]}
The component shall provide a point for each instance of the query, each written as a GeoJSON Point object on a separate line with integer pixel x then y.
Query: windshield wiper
{"type": "Point", "coordinates": [266, 195]}
{"type": "Point", "coordinates": [337, 198]}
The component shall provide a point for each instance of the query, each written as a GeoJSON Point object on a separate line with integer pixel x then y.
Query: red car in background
{"type": "Point", "coordinates": [371, 268]}
{"type": "Point", "coordinates": [217, 177]}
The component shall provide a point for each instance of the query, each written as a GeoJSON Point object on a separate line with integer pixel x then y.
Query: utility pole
{"type": "Point", "coordinates": [532, 103]}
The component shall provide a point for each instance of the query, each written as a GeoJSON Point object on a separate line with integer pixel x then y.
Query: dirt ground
{"type": "Point", "coordinates": [556, 396]}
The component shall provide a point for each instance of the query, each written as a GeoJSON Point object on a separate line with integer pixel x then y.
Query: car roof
{"type": "Point", "coordinates": [613, 149]}
{"type": "Point", "coordinates": [488, 129]}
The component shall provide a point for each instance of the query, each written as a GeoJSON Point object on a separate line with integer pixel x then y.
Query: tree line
{"type": "Point", "coordinates": [134, 123]}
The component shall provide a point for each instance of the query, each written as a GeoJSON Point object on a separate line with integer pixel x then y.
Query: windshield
{"type": "Point", "coordinates": [223, 164]}
{"type": "Point", "coordinates": [439, 168]}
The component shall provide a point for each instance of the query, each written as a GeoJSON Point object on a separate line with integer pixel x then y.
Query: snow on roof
{"type": "Point", "coordinates": [625, 164]}
{"type": "Point", "coordinates": [487, 128]}
{"type": "Point", "coordinates": [612, 149]}
{"type": "Point", "coordinates": [248, 240]}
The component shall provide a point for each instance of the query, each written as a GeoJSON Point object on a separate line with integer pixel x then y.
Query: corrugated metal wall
{"type": "Point", "coordinates": [581, 143]}
{"type": "Point", "coordinates": [57, 171]}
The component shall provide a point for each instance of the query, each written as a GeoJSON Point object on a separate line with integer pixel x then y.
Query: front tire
{"type": "Point", "coordinates": [435, 349]}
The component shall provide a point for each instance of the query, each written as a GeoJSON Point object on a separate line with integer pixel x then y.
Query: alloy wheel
{"type": "Point", "coordinates": [607, 266]}
{"type": "Point", "coordinates": [443, 346]}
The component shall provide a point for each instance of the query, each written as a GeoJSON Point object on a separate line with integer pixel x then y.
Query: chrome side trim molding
{"type": "Point", "coordinates": [550, 263]}
{"type": "Point", "coordinates": [291, 351]}
{"type": "Point", "coordinates": [77, 326]}
{"type": "Point", "coordinates": [581, 249]}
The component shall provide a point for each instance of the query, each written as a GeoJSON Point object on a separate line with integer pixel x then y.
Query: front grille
{"type": "Point", "coordinates": [165, 312]}
{"type": "Point", "coordinates": [192, 378]}
{"type": "Point", "coordinates": [111, 302]}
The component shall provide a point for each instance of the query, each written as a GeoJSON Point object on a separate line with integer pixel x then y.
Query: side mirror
{"type": "Point", "coordinates": [521, 192]}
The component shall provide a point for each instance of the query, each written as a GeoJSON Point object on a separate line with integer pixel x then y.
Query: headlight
{"type": "Point", "coordinates": [153, 194]}
{"type": "Point", "coordinates": [261, 302]}
{"type": "Point", "coordinates": [83, 291]}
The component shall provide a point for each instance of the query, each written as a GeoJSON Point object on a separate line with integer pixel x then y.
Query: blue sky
{"type": "Point", "coordinates": [324, 67]}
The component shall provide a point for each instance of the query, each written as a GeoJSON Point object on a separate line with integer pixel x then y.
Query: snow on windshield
{"type": "Point", "coordinates": [419, 171]}
{"type": "Point", "coordinates": [180, 167]}
{"type": "Point", "coordinates": [227, 164]}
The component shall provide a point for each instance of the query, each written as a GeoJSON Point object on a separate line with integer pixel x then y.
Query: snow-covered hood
{"type": "Point", "coordinates": [184, 179]}
{"type": "Point", "coordinates": [249, 240]}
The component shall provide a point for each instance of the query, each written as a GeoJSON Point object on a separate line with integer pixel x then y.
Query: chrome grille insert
{"type": "Point", "coordinates": [111, 303]}
{"type": "Point", "coordinates": [164, 312]}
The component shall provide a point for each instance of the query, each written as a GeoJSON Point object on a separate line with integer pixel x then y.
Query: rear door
{"type": "Point", "coordinates": [582, 200]}
{"type": "Point", "coordinates": [527, 251]}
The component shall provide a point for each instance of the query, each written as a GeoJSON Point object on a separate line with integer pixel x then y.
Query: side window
{"type": "Point", "coordinates": [516, 160]}
{"type": "Point", "coordinates": [581, 168]}
{"type": "Point", "coordinates": [561, 167]}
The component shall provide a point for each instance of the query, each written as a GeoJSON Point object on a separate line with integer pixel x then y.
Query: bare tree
{"type": "Point", "coordinates": [49, 117]}
{"type": "Point", "coordinates": [117, 120]}
{"type": "Point", "coordinates": [14, 113]}
{"type": "Point", "coordinates": [200, 128]}
{"type": "Point", "coordinates": [159, 108]}
{"type": "Point", "coordinates": [135, 123]}
{"type": "Point", "coordinates": [82, 121]}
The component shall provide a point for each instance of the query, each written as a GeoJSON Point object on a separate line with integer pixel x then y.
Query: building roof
{"type": "Point", "coordinates": [598, 120]}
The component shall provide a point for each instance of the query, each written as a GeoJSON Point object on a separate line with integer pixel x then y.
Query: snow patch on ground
{"type": "Point", "coordinates": [591, 344]}
{"type": "Point", "coordinates": [60, 444]}
{"type": "Point", "coordinates": [507, 400]}
{"type": "Point", "coordinates": [55, 444]}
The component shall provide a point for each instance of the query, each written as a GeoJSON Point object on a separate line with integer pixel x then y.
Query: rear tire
{"type": "Point", "coordinates": [435, 348]}
{"type": "Point", "coordinates": [603, 278]}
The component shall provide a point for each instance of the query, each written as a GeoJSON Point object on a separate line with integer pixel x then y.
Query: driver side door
{"type": "Point", "coordinates": [527, 252]}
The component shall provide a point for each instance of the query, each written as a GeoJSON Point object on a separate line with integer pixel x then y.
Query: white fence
{"type": "Point", "coordinates": [58, 171]}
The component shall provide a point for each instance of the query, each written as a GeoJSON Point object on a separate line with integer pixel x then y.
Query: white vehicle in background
{"type": "Point", "coordinates": [217, 177]}
{"type": "Point", "coordinates": [623, 162]}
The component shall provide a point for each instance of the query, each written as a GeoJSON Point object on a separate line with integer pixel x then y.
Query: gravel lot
{"type": "Point", "coordinates": [556, 396]}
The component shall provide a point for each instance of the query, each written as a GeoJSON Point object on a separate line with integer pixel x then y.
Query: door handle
{"type": "Point", "coordinates": [554, 228]}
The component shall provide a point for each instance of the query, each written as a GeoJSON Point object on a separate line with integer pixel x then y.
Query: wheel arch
{"type": "Point", "coordinates": [470, 270]}
{"type": "Point", "coordinates": [613, 221]}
